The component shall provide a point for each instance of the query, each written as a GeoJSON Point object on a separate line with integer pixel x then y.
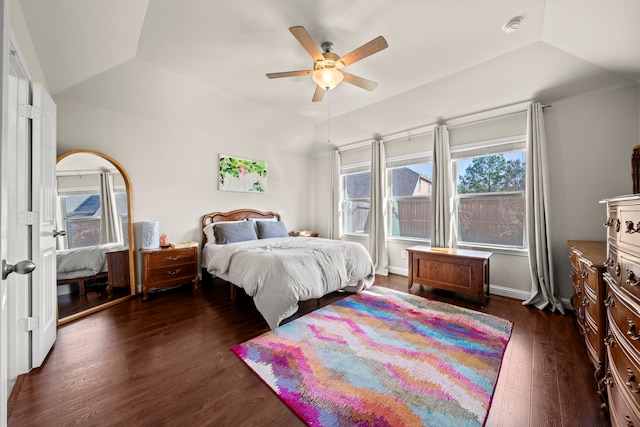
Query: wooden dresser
{"type": "Point", "coordinates": [588, 267]}
{"type": "Point", "coordinates": [164, 268]}
{"type": "Point", "coordinates": [622, 278]}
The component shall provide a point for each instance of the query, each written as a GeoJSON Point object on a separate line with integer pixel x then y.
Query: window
{"type": "Point", "coordinates": [490, 199]}
{"type": "Point", "coordinates": [356, 200]}
{"type": "Point", "coordinates": [81, 216]}
{"type": "Point", "coordinates": [410, 200]}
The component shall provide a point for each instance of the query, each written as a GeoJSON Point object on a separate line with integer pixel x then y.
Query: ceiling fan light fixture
{"type": "Point", "coordinates": [327, 78]}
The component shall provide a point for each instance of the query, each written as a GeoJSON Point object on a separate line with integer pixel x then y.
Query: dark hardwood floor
{"type": "Point", "coordinates": [167, 362]}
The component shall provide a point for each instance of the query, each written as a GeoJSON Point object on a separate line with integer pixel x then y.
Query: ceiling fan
{"type": "Point", "coordinates": [327, 68]}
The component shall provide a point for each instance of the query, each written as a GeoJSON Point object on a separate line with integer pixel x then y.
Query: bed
{"type": "Point", "coordinates": [276, 270]}
{"type": "Point", "coordinates": [85, 266]}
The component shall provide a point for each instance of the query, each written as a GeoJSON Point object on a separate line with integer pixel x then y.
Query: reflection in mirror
{"type": "Point", "coordinates": [94, 264]}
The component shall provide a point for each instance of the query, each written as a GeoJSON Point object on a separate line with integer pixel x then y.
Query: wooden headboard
{"type": "Point", "coordinates": [237, 215]}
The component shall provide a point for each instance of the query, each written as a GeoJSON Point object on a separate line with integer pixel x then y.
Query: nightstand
{"type": "Point", "coordinates": [168, 267]}
{"type": "Point", "coordinates": [303, 233]}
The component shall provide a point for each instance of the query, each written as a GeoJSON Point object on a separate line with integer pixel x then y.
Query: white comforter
{"type": "Point", "coordinates": [83, 262]}
{"type": "Point", "coordinates": [280, 272]}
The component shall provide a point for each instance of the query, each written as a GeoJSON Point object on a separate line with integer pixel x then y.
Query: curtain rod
{"type": "Point", "coordinates": [396, 135]}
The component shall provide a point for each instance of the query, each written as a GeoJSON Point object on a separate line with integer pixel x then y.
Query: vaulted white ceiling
{"type": "Point", "coordinates": [229, 46]}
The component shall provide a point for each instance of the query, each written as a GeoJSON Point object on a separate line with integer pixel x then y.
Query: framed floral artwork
{"type": "Point", "coordinates": [237, 174]}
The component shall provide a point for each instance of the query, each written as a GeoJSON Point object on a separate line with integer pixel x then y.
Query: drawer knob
{"type": "Point", "coordinates": [628, 420]}
{"type": "Point", "coordinates": [174, 272]}
{"type": "Point", "coordinates": [608, 379]}
{"type": "Point", "coordinates": [608, 301]}
{"type": "Point", "coordinates": [631, 228]}
{"type": "Point", "coordinates": [173, 258]}
{"type": "Point", "coordinates": [631, 381]}
{"type": "Point", "coordinates": [617, 269]}
{"type": "Point", "coordinates": [631, 279]}
{"type": "Point", "coordinates": [631, 331]}
{"type": "Point", "coordinates": [617, 224]}
{"type": "Point", "coordinates": [608, 341]}
{"type": "Point", "coordinates": [585, 302]}
{"type": "Point", "coordinates": [585, 274]}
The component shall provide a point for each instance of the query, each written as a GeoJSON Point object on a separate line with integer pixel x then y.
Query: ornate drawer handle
{"type": "Point", "coordinates": [608, 341]}
{"type": "Point", "coordinates": [631, 332]}
{"type": "Point", "coordinates": [608, 379]}
{"type": "Point", "coordinates": [631, 381]}
{"type": "Point", "coordinates": [609, 301]}
{"type": "Point", "coordinates": [609, 223]}
{"type": "Point", "coordinates": [617, 269]}
{"type": "Point", "coordinates": [585, 302]}
{"type": "Point", "coordinates": [609, 262]}
{"type": "Point", "coordinates": [174, 272]}
{"type": "Point", "coordinates": [617, 224]}
{"type": "Point", "coordinates": [628, 420]}
{"type": "Point", "coordinates": [631, 228]}
{"type": "Point", "coordinates": [173, 258]}
{"type": "Point", "coordinates": [631, 279]}
{"type": "Point", "coordinates": [585, 274]}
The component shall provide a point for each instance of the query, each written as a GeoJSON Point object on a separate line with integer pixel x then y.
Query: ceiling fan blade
{"type": "Point", "coordinates": [289, 74]}
{"type": "Point", "coordinates": [318, 94]}
{"type": "Point", "coordinates": [307, 42]}
{"type": "Point", "coordinates": [375, 45]}
{"type": "Point", "coordinates": [359, 81]}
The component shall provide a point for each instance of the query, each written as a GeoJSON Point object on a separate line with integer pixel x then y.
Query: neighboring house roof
{"type": "Point", "coordinates": [404, 183]}
{"type": "Point", "coordinates": [88, 207]}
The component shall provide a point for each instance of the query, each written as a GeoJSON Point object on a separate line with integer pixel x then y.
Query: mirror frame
{"type": "Point", "coordinates": [132, 258]}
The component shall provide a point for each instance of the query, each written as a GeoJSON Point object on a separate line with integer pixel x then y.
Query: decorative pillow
{"type": "Point", "coordinates": [208, 230]}
{"type": "Point", "coordinates": [233, 232]}
{"type": "Point", "coordinates": [270, 229]}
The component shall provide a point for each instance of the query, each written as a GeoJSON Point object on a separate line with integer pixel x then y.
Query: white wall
{"type": "Point", "coordinates": [590, 138]}
{"type": "Point", "coordinates": [174, 170]}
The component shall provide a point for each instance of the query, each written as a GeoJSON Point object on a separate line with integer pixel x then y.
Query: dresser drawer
{"type": "Point", "coordinates": [173, 257]}
{"type": "Point", "coordinates": [629, 234]}
{"type": "Point", "coordinates": [624, 382]}
{"type": "Point", "coordinates": [624, 317]}
{"type": "Point", "coordinates": [183, 272]}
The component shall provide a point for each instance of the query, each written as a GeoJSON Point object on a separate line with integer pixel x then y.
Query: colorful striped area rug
{"type": "Point", "coordinates": [383, 358]}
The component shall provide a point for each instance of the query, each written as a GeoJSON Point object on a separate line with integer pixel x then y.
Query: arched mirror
{"type": "Point", "coordinates": [95, 263]}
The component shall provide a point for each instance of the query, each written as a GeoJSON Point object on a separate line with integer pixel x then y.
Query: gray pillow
{"type": "Point", "coordinates": [234, 232]}
{"type": "Point", "coordinates": [269, 229]}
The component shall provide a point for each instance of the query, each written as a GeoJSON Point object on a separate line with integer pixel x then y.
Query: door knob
{"type": "Point", "coordinates": [23, 267]}
{"type": "Point", "coordinates": [57, 233]}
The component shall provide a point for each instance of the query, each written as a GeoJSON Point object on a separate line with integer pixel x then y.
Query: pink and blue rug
{"type": "Point", "coordinates": [383, 358]}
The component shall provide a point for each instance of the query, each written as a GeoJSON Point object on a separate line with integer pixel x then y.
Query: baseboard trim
{"type": "Point", "coordinates": [494, 289]}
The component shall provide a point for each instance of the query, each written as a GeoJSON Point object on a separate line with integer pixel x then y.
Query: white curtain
{"type": "Point", "coordinates": [377, 210]}
{"type": "Point", "coordinates": [443, 225]}
{"type": "Point", "coordinates": [537, 211]}
{"type": "Point", "coordinates": [110, 227]}
{"type": "Point", "coordinates": [333, 231]}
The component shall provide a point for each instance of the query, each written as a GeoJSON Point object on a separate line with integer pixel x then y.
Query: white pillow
{"type": "Point", "coordinates": [208, 231]}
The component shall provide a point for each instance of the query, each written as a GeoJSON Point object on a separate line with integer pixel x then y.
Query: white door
{"type": "Point", "coordinates": [3, 210]}
{"type": "Point", "coordinates": [43, 170]}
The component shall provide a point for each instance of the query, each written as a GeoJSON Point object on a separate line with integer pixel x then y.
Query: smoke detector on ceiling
{"type": "Point", "coordinates": [512, 25]}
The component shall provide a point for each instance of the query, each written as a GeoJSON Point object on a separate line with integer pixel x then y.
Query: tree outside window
{"type": "Point", "coordinates": [490, 199]}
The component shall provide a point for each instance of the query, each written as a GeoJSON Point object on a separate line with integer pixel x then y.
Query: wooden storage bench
{"type": "Point", "coordinates": [457, 270]}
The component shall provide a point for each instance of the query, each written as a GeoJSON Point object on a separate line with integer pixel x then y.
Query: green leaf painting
{"type": "Point", "coordinates": [238, 174]}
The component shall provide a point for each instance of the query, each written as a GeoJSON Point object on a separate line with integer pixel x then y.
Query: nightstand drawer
{"type": "Point", "coordinates": [184, 272]}
{"type": "Point", "coordinates": [171, 257]}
